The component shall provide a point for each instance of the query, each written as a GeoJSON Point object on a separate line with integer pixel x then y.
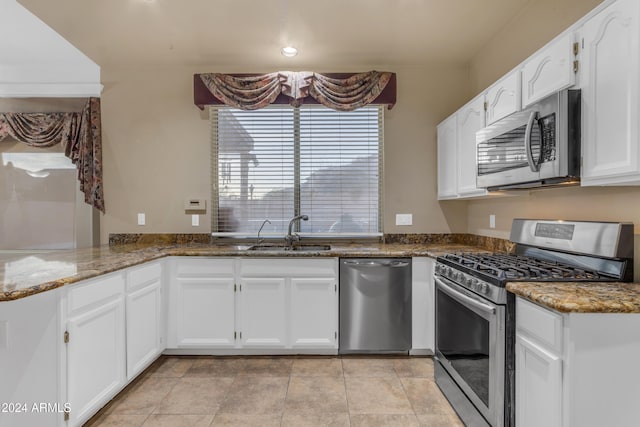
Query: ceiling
{"type": "Point", "coordinates": [234, 34]}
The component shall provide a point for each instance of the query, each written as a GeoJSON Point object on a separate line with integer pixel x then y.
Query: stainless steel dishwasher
{"type": "Point", "coordinates": [375, 305]}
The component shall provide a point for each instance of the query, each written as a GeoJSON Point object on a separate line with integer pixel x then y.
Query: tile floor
{"type": "Point", "coordinates": [281, 391]}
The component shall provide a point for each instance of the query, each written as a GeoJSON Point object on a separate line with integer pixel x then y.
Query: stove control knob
{"type": "Point", "coordinates": [472, 283]}
{"type": "Point", "coordinates": [449, 272]}
{"type": "Point", "coordinates": [484, 288]}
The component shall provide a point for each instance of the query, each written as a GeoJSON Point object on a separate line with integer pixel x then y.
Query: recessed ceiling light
{"type": "Point", "coordinates": [289, 51]}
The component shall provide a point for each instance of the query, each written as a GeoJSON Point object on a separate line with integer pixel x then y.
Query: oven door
{"type": "Point", "coordinates": [470, 345]}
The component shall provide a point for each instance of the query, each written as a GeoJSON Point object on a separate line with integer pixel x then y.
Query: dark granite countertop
{"type": "Point", "coordinates": [25, 273]}
{"type": "Point", "coordinates": [581, 297]}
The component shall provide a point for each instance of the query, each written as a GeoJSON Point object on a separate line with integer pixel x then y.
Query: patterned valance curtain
{"type": "Point", "coordinates": [80, 135]}
{"type": "Point", "coordinates": [254, 92]}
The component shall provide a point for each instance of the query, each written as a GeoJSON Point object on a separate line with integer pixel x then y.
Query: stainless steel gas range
{"type": "Point", "coordinates": [475, 315]}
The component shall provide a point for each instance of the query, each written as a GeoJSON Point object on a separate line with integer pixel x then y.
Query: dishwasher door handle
{"type": "Point", "coordinates": [361, 263]}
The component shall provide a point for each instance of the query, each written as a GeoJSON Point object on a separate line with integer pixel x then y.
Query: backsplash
{"type": "Point", "coordinates": [158, 238]}
{"type": "Point", "coordinates": [493, 244]}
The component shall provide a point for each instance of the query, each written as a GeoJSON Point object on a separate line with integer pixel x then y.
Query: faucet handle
{"type": "Point", "coordinates": [258, 241]}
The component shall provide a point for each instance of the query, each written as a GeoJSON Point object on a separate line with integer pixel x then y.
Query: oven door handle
{"type": "Point", "coordinates": [467, 299]}
{"type": "Point", "coordinates": [535, 167]}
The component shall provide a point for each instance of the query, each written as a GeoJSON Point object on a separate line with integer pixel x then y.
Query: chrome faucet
{"type": "Point", "coordinates": [290, 237]}
{"type": "Point", "coordinates": [258, 240]}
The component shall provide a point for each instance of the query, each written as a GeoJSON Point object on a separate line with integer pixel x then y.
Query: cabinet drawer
{"type": "Point", "coordinates": [204, 267]}
{"type": "Point", "coordinates": [539, 323]}
{"type": "Point", "coordinates": [143, 274]}
{"type": "Point", "coordinates": [94, 291]}
{"type": "Point", "coordinates": [298, 267]}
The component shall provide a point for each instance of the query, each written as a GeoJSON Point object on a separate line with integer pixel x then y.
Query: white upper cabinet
{"type": "Point", "coordinates": [610, 95]}
{"type": "Point", "coordinates": [457, 152]}
{"type": "Point", "coordinates": [503, 97]}
{"type": "Point", "coordinates": [549, 70]}
{"type": "Point", "coordinates": [470, 119]}
{"type": "Point", "coordinates": [447, 159]}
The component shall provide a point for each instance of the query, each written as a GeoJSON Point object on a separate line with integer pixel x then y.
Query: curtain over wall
{"type": "Point", "coordinates": [80, 135]}
{"type": "Point", "coordinates": [257, 91]}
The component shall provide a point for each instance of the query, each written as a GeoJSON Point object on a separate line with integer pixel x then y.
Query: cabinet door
{"type": "Point", "coordinates": [314, 313]}
{"type": "Point", "coordinates": [205, 312]}
{"type": "Point", "coordinates": [447, 161]}
{"type": "Point", "coordinates": [263, 312]}
{"type": "Point", "coordinates": [549, 70]}
{"type": "Point", "coordinates": [95, 358]}
{"type": "Point", "coordinates": [610, 96]}
{"type": "Point", "coordinates": [144, 323]}
{"type": "Point", "coordinates": [470, 119]}
{"type": "Point", "coordinates": [538, 385]}
{"type": "Point", "coordinates": [503, 98]}
{"type": "Point", "coordinates": [422, 305]}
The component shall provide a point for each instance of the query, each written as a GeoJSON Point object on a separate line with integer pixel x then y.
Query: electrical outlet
{"type": "Point", "coordinates": [404, 219]}
{"type": "Point", "coordinates": [492, 221]}
{"type": "Point", "coordinates": [141, 219]}
{"type": "Point", "coordinates": [195, 220]}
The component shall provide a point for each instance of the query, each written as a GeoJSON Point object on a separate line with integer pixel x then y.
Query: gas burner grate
{"type": "Point", "coordinates": [517, 267]}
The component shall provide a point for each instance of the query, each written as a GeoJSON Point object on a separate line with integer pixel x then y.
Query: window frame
{"type": "Point", "coordinates": [215, 195]}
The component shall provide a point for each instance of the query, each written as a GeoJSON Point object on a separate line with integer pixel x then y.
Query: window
{"type": "Point", "coordinates": [278, 162]}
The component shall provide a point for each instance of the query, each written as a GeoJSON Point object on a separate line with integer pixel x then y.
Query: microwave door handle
{"type": "Point", "coordinates": [527, 141]}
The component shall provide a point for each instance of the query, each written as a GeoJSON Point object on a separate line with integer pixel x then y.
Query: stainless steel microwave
{"type": "Point", "coordinates": [539, 146]}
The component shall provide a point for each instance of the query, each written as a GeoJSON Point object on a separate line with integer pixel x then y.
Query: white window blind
{"type": "Point", "coordinates": [281, 161]}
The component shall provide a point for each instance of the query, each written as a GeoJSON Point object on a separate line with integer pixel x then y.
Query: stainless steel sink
{"type": "Point", "coordinates": [298, 248]}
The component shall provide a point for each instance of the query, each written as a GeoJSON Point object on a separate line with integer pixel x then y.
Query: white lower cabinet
{"type": "Point", "coordinates": [263, 312]}
{"type": "Point", "coordinates": [576, 369]}
{"type": "Point", "coordinates": [201, 303]}
{"type": "Point", "coordinates": [143, 317]}
{"type": "Point", "coordinates": [246, 305]}
{"type": "Point", "coordinates": [205, 312]}
{"type": "Point", "coordinates": [287, 303]}
{"type": "Point", "coordinates": [539, 385]}
{"type": "Point", "coordinates": [422, 306]}
{"type": "Point", "coordinates": [30, 347]}
{"type": "Point", "coordinates": [314, 312]}
{"type": "Point", "coordinates": [95, 352]}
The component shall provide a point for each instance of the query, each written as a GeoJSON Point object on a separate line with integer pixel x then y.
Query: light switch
{"type": "Point", "coordinates": [404, 219]}
{"type": "Point", "coordinates": [141, 219]}
{"type": "Point", "coordinates": [492, 221]}
{"type": "Point", "coordinates": [195, 220]}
